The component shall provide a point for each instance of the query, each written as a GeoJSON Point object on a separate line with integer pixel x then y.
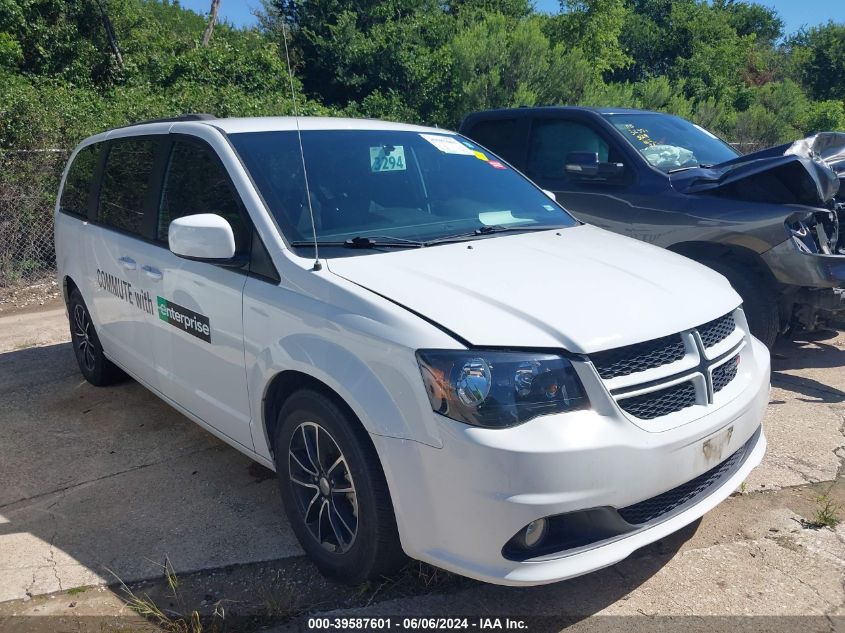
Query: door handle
{"type": "Point", "coordinates": [153, 273]}
{"type": "Point", "coordinates": [127, 262]}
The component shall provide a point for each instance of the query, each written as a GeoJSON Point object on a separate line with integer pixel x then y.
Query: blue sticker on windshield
{"type": "Point", "coordinates": [387, 158]}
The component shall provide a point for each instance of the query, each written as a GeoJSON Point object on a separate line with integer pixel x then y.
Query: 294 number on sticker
{"type": "Point", "coordinates": [387, 158]}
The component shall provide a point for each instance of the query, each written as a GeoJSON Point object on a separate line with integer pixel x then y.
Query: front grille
{"type": "Point", "coordinates": [717, 330]}
{"type": "Point", "coordinates": [624, 361]}
{"type": "Point", "coordinates": [724, 374]}
{"type": "Point", "coordinates": [672, 358]}
{"type": "Point", "coordinates": [663, 402]}
{"type": "Point", "coordinates": [658, 507]}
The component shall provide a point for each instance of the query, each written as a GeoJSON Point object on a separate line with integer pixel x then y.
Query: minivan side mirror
{"type": "Point", "coordinates": [204, 237]}
{"type": "Point", "coordinates": [586, 165]}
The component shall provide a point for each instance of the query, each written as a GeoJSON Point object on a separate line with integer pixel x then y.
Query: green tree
{"type": "Point", "coordinates": [778, 114]}
{"type": "Point", "coordinates": [819, 60]}
{"type": "Point", "coordinates": [64, 39]}
{"type": "Point", "coordinates": [661, 94]}
{"type": "Point", "coordinates": [750, 18]}
{"type": "Point", "coordinates": [509, 8]}
{"type": "Point", "coordinates": [711, 54]}
{"type": "Point", "coordinates": [823, 116]}
{"type": "Point", "coordinates": [499, 62]}
{"type": "Point", "coordinates": [595, 27]}
{"type": "Point", "coordinates": [349, 50]}
{"type": "Point", "coordinates": [647, 38]}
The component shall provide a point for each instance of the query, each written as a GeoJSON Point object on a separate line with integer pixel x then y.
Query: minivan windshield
{"type": "Point", "coordinates": [392, 188]}
{"type": "Point", "coordinates": [670, 142]}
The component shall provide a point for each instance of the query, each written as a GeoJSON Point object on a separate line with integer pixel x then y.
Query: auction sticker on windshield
{"type": "Point", "coordinates": [387, 158]}
{"type": "Point", "coordinates": [448, 144]}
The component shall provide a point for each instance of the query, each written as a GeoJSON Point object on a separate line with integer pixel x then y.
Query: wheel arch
{"type": "Point", "coordinates": [68, 286]}
{"type": "Point", "coordinates": [286, 383]}
{"type": "Point", "coordinates": [749, 259]}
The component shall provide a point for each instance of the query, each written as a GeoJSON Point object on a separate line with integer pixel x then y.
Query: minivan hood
{"type": "Point", "coordinates": [582, 288]}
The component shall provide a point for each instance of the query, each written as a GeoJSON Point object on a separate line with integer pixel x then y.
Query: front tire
{"type": "Point", "coordinates": [758, 299]}
{"type": "Point", "coordinates": [93, 364]}
{"type": "Point", "coordinates": [334, 491]}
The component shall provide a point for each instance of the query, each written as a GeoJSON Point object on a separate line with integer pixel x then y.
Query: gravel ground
{"type": "Point", "coordinates": [29, 298]}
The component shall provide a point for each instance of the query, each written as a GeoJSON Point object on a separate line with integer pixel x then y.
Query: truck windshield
{"type": "Point", "coordinates": [391, 187]}
{"type": "Point", "coordinates": [669, 142]}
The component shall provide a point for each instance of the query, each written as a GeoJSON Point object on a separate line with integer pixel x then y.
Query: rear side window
{"type": "Point", "coordinates": [553, 139]}
{"type": "Point", "coordinates": [196, 182]}
{"type": "Point", "coordinates": [125, 183]}
{"type": "Point", "coordinates": [502, 136]}
{"type": "Point", "coordinates": [77, 187]}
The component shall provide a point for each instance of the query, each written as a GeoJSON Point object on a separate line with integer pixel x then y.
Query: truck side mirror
{"type": "Point", "coordinates": [586, 166]}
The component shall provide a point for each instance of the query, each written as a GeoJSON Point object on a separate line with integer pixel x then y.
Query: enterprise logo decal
{"type": "Point", "coordinates": [187, 320]}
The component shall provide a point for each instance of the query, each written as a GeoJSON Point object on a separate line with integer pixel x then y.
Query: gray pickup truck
{"type": "Point", "coordinates": [769, 221]}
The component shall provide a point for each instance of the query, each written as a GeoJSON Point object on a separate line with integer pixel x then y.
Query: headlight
{"type": "Point", "coordinates": [499, 389]}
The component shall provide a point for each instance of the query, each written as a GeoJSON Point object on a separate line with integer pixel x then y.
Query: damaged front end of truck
{"type": "Point", "coordinates": [807, 179]}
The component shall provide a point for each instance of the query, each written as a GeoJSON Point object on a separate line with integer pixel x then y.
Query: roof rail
{"type": "Point", "coordinates": [191, 116]}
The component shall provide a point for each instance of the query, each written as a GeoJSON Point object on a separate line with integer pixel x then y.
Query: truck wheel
{"type": "Point", "coordinates": [758, 300]}
{"type": "Point", "coordinates": [95, 367]}
{"type": "Point", "coordinates": [334, 491]}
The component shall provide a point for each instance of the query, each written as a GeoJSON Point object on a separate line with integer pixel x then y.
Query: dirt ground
{"type": "Point", "coordinates": [31, 297]}
{"type": "Point", "coordinates": [99, 486]}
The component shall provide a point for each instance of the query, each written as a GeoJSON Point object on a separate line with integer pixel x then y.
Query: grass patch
{"type": "Point", "coordinates": [416, 578]}
{"type": "Point", "coordinates": [826, 516]}
{"type": "Point", "coordinates": [284, 606]}
{"type": "Point", "coordinates": [254, 596]}
{"type": "Point", "coordinates": [172, 620]}
{"type": "Point", "coordinates": [76, 591]}
{"type": "Point", "coordinates": [177, 608]}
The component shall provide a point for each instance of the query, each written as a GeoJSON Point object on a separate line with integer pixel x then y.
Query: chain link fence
{"type": "Point", "coordinates": [29, 181]}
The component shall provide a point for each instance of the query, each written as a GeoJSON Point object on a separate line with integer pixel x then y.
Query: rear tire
{"type": "Point", "coordinates": [93, 364]}
{"type": "Point", "coordinates": [334, 491]}
{"type": "Point", "coordinates": [758, 299]}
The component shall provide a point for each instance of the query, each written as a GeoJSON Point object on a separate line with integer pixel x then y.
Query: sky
{"type": "Point", "coordinates": [795, 13]}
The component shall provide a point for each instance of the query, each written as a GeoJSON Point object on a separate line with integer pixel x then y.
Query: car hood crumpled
{"type": "Point", "coordinates": [809, 171]}
{"type": "Point", "coordinates": [581, 288]}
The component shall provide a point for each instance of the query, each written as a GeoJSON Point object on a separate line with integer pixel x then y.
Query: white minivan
{"type": "Point", "coordinates": [436, 359]}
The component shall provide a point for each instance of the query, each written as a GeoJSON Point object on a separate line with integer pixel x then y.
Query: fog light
{"type": "Point", "coordinates": [533, 533]}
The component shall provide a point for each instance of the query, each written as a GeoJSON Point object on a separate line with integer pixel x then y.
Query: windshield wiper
{"type": "Point", "coordinates": [386, 241]}
{"type": "Point", "coordinates": [702, 166]}
{"type": "Point", "coordinates": [366, 241]}
{"type": "Point", "coordinates": [486, 230]}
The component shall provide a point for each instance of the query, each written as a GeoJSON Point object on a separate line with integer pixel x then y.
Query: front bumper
{"type": "Point", "coordinates": [457, 506]}
{"type": "Point", "coordinates": [793, 267]}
